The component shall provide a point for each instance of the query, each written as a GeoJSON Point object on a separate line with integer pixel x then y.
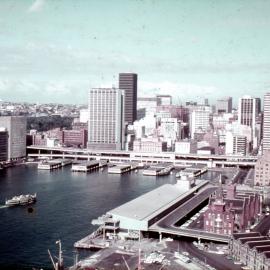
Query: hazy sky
{"type": "Point", "coordinates": [54, 51]}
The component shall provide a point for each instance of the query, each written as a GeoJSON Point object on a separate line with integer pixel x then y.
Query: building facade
{"type": "Point", "coordinates": [75, 138]}
{"type": "Point", "coordinates": [106, 118]}
{"type": "Point", "coordinates": [224, 105]}
{"type": "Point", "coordinates": [251, 249]}
{"type": "Point", "coordinates": [128, 83]}
{"type": "Point", "coordinates": [230, 212]}
{"type": "Point", "coordinates": [16, 128]}
{"type": "Point", "coordinates": [186, 147]}
{"type": "Point", "coordinates": [148, 145]}
{"type": "Point", "coordinates": [262, 170]}
{"type": "Point", "coordinates": [266, 122]}
{"type": "Point", "coordinates": [248, 113]}
{"type": "Point", "coordinates": [200, 121]}
{"type": "Point", "coordinates": [3, 144]}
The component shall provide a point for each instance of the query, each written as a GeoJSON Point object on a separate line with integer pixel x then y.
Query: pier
{"type": "Point", "coordinates": [88, 166]}
{"type": "Point", "coordinates": [92, 241]}
{"type": "Point", "coordinates": [53, 164]}
{"type": "Point", "coordinates": [158, 170]}
{"type": "Point", "coordinates": [123, 168]}
{"type": "Point", "coordinates": [193, 171]}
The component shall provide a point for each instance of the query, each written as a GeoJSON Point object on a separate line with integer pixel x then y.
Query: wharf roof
{"type": "Point", "coordinates": [248, 239]}
{"type": "Point", "coordinates": [252, 244]}
{"type": "Point", "coordinates": [262, 248]}
{"type": "Point", "coordinates": [267, 254]}
{"type": "Point", "coordinates": [150, 204]}
{"type": "Point", "coordinates": [242, 235]}
{"type": "Point", "coordinates": [86, 163]}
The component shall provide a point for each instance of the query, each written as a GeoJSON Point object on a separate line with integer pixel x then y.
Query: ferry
{"type": "Point", "coordinates": [21, 200]}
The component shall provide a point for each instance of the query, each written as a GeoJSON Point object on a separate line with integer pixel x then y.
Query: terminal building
{"type": "Point", "coordinates": [135, 216]}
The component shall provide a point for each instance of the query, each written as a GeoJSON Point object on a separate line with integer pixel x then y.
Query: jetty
{"type": "Point", "coordinates": [158, 170]}
{"type": "Point", "coordinates": [53, 164]}
{"type": "Point", "coordinates": [123, 168]}
{"type": "Point", "coordinates": [86, 166]}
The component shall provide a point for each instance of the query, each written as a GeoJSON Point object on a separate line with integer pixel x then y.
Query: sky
{"type": "Point", "coordinates": [54, 51]}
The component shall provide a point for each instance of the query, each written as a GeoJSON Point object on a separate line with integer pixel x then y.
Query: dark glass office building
{"type": "Point", "coordinates": [128, 82]}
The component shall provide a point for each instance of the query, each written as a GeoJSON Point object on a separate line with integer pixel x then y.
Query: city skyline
{"type": "Point", "coordinates": [52, 49]}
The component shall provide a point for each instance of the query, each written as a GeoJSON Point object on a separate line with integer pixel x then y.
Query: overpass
{"type": "Point", "coordinates": [142, 157]}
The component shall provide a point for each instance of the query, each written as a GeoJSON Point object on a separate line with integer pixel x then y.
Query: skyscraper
{"type": "Point", "coordinates": [266, 122]}
{"type": "Point", "coordinates": [106, 118]}
{"type": "Point", "coordinates": [128, 82]}
{"type": "Point", "coordinates": [16, 128]}
{"type": "Point", "coordinates": [248, 112]}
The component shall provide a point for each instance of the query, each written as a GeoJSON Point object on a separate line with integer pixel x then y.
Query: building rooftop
{"type": "Point", "coordinates": [262, 248]}
{"type": "Point", "coordinates": [242, 235]}
{"type": "Point", "coordinates": [248, 239]}
{"type": "Point", "coordinates": [267, 254]}
{"type": "Point", "coordinates": [262, 242]}
{"type": "Point", "coordinates": [155, 200]}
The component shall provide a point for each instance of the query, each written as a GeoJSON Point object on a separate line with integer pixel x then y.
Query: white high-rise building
{"type": "Point", "coordinates": [266, 122]}
{"type": "Point", "coordinates": [200, 121]}
{"type": "Point", "coordinates": [236, 144]}
{"type": "Point", "coordinates": [106, 118]}
{"type": "Point", "coordinates": [248, 112]}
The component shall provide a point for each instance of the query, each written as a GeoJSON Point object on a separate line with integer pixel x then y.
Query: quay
{"type": "Point", "coordinates": [53, 164]}
{"type": "Point", "coordinates": [158, 170]}
{"type": "Point", "coordinates": [88, 166]}
{"type": "Point", "coordinates": [123, 168]}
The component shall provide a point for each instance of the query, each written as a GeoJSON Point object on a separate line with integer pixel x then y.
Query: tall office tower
{"type": "Point", "coordinates": [16, 128]}
{"type": "Point", "coordinates": [266, 122]}
{"type": "Point", "coordinates": [224, 105]}
{"type": "Point", "coordinates": [128, 82]}
{"type": "Point", "coordinates": [106, 118]}
{"type": "Point", "coordinates": [248, 111]}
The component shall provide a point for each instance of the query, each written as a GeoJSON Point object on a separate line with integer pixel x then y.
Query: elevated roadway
{"type": "Point", "coordinates": [167, 224]}
{"type": "Point", "coordinates": [124, 156]}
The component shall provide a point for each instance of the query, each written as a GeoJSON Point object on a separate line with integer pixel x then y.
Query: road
{"type": "Point", "coordinates": [185, 208]}
{"type": "Point", "coordinates": [240, 177]}
{"type": "Point", "coordinates": [219, 262]}
{"type": "Point", "coordinates": [167, 224]}
{"type": "Point", "coordinates": [264, 226]}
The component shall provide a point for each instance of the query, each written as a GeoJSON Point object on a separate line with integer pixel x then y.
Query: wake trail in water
{"type": "Point", "coordinates": [3, 206]}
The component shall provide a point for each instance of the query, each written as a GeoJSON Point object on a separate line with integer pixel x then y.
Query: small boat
{"type": "Point", "coordinates": [21, 200]}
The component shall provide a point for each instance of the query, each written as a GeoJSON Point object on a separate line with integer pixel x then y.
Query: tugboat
{"type": "Point", "coordinates": [22, 200]}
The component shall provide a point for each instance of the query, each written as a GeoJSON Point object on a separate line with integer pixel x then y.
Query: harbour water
{"type": "Point", "coordinates": [66, 203]}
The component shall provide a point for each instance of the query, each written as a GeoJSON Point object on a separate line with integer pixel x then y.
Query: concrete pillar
{"type": "Point", "coordinates": [160, 236]}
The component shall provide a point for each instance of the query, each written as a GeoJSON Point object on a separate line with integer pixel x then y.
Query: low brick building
{"type": "Point", "coordinates": [251, 249]}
